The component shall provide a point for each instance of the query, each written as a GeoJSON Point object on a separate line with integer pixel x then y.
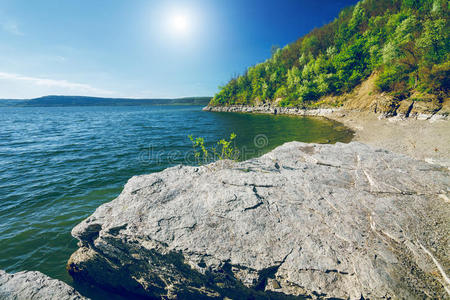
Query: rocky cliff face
{"type": "Point", "coordinates": [344, 220]}
{"type": "Point", "coordinates": [364, 98]}
{"type": "Point", "coordinates": [35, 286]}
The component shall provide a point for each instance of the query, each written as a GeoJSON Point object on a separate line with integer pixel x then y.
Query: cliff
{"type": "Point", "coordinates": [343, 221]}
{"type": "Point", "coordinates": [363, 98]}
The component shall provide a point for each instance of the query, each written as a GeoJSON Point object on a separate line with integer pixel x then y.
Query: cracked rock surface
{"type": "Point", "coordinates": [343, 221]}
{"type": "Point", "coordinates": [35, 286]}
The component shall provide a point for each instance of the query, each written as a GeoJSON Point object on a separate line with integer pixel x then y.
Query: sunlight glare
{"type": "Point", "coordinates": [180, 24]}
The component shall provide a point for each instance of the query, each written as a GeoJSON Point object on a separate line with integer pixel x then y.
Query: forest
{"type": "Point", "coordinates": [404, 42]}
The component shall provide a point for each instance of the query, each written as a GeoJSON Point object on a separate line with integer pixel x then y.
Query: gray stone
{"type": "Point", "coordinates": [34, 286]}
{"type": "Point", "coordinates": [344, 220]}
{"type": "Point", "coordinates": [267, 109]}
{"type": "Point", "coordinates": [384, 112]}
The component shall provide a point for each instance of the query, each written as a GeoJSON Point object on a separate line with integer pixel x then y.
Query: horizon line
{"type": "Point", "coordinates": [98, 97]}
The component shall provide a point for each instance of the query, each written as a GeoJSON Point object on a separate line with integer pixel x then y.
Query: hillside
{"type": "Point", "coordinates": [403, 44]}
{"type": "Point", "coordinates": [96, 101]}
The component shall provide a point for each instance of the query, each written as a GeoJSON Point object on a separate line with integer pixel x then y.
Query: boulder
{"type": "Point", "coordinates": [321, 221]}
{"type": "Point", "coordinates": [34, 286]}
{"type": "Point", "coordinates": [405, 108]}
{"type": "Point", "coordinates": [425, 107]}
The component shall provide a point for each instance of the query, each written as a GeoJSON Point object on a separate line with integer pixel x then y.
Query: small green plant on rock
{"type": "Point", "coordinates": [225, 150]}
{"type": "Point", "coordinates": [202, 154]}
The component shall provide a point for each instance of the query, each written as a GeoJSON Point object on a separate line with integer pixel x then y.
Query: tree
{"type": "Point", "coordinates": [274, 49]}
{"type": "Point", "coordinates": [357, 18]}
{"type": "Point", "coordinates": [434, 42]}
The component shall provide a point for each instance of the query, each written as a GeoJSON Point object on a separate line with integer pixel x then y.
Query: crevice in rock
{"type": "Point", "coordinates": [262, 185]}
{"type": "Point", "coordinates": [264, 275]}
{"type": "Point", "coordinates": [269, 272]}
{"type": "Point", "coordinates": [156, 182]}
{"type": "Point", "coordinates": [408, 111]}
{"type": "Point", "coordinates": [250, 184]}
{"type": "Point", "coordinates": [254, 206]}
{"type": "Point", "coordinates": [166, 219]}
{"type": "Point", "coordinates": [403, 193]}
{"type": "Point", "coordinates": [259, 197]}
{"type": "Point", "coordinates": [288, 168]}
{"type": "Point", "coordinates": [115, 230]}
{"type": "Point", "coordinates": [333, 166]}
{"type": "Point", "coordinates": [255, 191]}
{"type": "Point", "coordinates": [327, 271]}
{"type": "Point", "coordinates": [90, 234]}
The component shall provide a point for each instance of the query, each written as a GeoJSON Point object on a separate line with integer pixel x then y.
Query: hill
{"type": "Point", "coordinates": [97, 101]}
{"type": "Point", "coordinates": [403, 44]}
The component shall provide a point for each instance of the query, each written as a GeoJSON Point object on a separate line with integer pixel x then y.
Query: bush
{"type": "Point", "coordinates": [386, 80]}
{"type": "Point", "coordinates": [436, 79]}
{"type": "Point", "coordinates": [224, 150]}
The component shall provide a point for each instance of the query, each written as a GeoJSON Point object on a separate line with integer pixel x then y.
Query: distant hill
{"type": "Point", "coordinates": [97, 101]}
{"type": "Point", "coordinates": [404, 44]}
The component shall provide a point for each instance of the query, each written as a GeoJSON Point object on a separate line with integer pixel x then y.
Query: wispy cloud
{"type": "Point", "coordinates": [64, 85]}
{"type": "Point", "coordinates": [11, 27]}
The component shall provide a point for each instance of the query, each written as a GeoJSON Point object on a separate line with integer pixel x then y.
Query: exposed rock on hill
{"type": "Point", "coordinates": [34, 286]}
{"type": "Point", "coordinates": [343, 220]}
{"type": "Point", "coordinates": [363, 98]}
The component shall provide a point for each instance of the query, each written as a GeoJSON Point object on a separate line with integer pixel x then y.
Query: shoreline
{"type": "Point", "coordinates": [424, 137]}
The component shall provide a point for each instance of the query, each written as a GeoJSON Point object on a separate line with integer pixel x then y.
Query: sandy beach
{"type": "Point", "coordinates": [424, 137]}
{"type": "Point", "coordinates": [427, 140]}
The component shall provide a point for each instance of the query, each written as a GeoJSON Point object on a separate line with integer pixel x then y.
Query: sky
{"type": "Point", "coordinates": [144, 49]}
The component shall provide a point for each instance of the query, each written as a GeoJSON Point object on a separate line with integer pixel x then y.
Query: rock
{"type": "Point", "coordinates": [266, 109]}
{"type": "Point", "coordinates": [405, 108]}
{"type": "Point", "coordinates": [385, 107]}
{"type": "Point", "coordinates": [343, 221]}
{"type": "Point", "coordinates": [425, 108]}
{"type": "Point", "coordinates": [34, 285]}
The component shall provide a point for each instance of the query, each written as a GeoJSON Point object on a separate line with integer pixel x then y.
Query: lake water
{"type": "Point", "coordinates": [58, 164]}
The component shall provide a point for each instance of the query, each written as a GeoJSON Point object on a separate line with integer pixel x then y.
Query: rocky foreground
{"type": "Point", "coordinates": [34, 286]}
{"type": "Point", "coordinates": [344, 220]}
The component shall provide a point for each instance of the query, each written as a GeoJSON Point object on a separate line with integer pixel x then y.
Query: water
{"type": "Point", "coordinates": [57, 164]}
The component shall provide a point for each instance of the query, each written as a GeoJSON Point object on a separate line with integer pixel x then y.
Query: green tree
{"type": "Point", "coordinates": [434, 42]}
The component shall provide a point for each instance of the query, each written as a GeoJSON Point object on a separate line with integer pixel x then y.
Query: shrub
{"type": "Point", "coordinates": [387, 78]}
{"type": "Point", "coordinates": [224, 150]}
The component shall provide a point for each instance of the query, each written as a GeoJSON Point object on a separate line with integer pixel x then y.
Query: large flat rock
{"type": "Point", "coordinates": [344, 220]}
{"type": "Point", "coordinates": [34, 285]}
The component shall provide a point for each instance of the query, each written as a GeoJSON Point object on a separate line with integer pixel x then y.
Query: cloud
{"type": "Point", "coordinates": [58, 58]}
{"type": "Point", "coordinates": [11, 27]}
{"type": "Point", "coordinates": [51, 85]}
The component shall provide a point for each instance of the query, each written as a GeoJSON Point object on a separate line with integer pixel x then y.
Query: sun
{"type": "Point", "coordinates": [176, 26]}
{"type": "Point", "coordinates": [180, 24]}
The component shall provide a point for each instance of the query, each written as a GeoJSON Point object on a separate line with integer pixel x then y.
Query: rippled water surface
{"type": "Point", "coordinates": [58, 164]}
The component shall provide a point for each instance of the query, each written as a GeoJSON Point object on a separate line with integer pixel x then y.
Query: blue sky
{"type": "Point", "coordinates": [143, 49]}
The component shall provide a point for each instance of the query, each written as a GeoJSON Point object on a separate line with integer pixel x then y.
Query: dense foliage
{"type": "Point", "coordinates": [405, 41]}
